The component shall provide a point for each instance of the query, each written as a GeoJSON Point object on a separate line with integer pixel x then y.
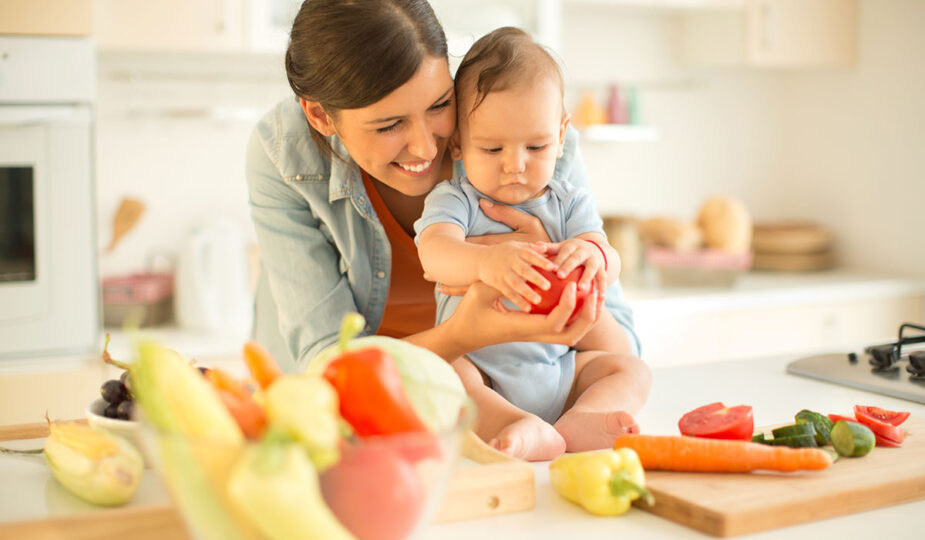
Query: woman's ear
{"type": "Point", "coordinates": [454, 145]}
{"type": "Point", "coordinates": [565, 120]}
{"type": "Point", "coordinates": [317, 117]}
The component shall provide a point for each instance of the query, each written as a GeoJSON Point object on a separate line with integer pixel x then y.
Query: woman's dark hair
{"type": "Point", "coordinates": [347, 54]}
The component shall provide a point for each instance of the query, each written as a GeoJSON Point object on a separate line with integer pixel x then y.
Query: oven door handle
{"type": "Point", "coordinates": [21, 115]}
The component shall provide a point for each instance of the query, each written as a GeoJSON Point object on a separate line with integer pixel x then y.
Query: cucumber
{"type": "Point", "coordinates": [820, 422]}
{"type": "Point", "coordinates": [794, 441]}
{"type": "Point", "coordinates": [851, 439]}
{"type": "Point", "coordinates": [794, 430]}
{"type": "Point", "coordinates": [759, 438]}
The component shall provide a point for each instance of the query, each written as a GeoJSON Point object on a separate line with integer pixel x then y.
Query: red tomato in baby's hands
{"type": "Point", "coordinates": [549, 298]}
{"type": "Point", "coordinates": [374, 493]}
{"type": "Point", "coordinates": [717, 421]}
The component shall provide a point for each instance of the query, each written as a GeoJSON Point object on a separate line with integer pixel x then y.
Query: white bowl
{"type": "Point", "coordinates": [127, 429]}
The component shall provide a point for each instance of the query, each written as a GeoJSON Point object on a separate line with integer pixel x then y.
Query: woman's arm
{"type": "Point", "coordinates": [309, 294]}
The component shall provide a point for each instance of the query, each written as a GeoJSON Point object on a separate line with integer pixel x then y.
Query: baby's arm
{"type": "Point", "coordinates": [449, 259]}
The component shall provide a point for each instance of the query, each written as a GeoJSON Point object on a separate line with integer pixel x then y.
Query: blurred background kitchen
{"type": "Point", "coordinates": [805, 118]}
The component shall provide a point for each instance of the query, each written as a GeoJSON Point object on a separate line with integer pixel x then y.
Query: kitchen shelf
{"type": "Point", "coordinates": [619, 133]}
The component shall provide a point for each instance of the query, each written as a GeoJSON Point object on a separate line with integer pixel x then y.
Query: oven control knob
{"type": "Point", "coordinates": [916, 364]}
{"type": "Point", "coordinates": [881, 356]}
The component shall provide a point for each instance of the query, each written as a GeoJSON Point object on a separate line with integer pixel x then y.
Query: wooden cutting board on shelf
{"type": "Point", "coordinates": [734, 504]}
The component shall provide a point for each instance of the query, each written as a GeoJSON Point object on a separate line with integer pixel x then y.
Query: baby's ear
{"type": "Point", "coordinates": [455, 147]}
{"type": "Point", "coordinates": [317, 117]}
{"type": "Point", "coordinates": [565, 120]}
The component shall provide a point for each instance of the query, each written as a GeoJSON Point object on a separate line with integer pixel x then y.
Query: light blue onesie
{"type": "Point", "coordinates": [536, 377]}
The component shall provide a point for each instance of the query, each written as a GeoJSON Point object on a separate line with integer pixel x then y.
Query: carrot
{"type": "Point", "coordinates": [261, 364]}
{"type": "Point", "coordinates": [679, 453]}
{"type": "Point", "coordinates": [251, 418]}
{"type": "Point", "coordinates": [223, 381]}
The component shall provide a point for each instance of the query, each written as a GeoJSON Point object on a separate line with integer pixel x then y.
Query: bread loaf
{"type": "Point", "coordinates": [726, 225]}
{"type": "Point", "coordinates": [670, 233]}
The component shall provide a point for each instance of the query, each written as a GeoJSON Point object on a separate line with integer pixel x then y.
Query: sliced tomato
{"type": "Point", "coordinates": [886, 442]}
{"type": "Point", "coordinates": [836, 417]}
{"type": "Point", "coordinates": [884, 430]}
{"type": "Point", "coordinates": [717, 421]}
{"type": "Point", "coordinates": [894, 418]}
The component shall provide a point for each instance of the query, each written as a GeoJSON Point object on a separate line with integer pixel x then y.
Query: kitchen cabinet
{"type": "Point", "coordinates": [768, 314]}
{"type": "Point", "coordinates": [46, 17]}
{"type": "Point", "coordinates": [772, 33]}
{"type": "Point", "coordinates": [169, 25]}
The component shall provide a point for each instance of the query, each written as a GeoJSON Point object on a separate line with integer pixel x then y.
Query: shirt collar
{"type": "Point", "coordinates": [345, 173]}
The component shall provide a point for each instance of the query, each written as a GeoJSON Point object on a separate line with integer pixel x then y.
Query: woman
{"type": "Point", "coordinates": [338, 176]}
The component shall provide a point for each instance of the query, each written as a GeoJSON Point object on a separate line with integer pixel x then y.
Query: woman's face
{"type": "Point", "coordinates": [401, 139]}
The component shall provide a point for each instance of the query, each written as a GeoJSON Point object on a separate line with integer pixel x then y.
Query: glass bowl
{"type": "Point", "coordinates": [384, 487]}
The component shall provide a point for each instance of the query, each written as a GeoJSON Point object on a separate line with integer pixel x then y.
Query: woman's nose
{"type": "Point", "coordinates": [422, 142]}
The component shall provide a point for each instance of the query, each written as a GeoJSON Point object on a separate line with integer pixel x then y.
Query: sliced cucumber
{"type": "Point", "coordinates": [794, 441]}
{"type": "Point", "coordinates": [852, 439]}
{"type": "Point", "coordinates": [759, 438]}
{"type": "Point", "coordinates": [794, 430]}
{"type": "Point", "coordinates": [820, 422]}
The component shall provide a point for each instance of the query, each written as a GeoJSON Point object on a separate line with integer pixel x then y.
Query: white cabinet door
{"type": "Point", "coordinates": [773, 33]}
{"type": "Point", "coordinates": [169, 25]}
{"type": "Point", "coordinates": [798, 33]}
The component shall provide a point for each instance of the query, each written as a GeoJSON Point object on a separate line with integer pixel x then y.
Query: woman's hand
{"type": "Point", "coordinates": [480, 320]}
{"type": "Point", "coordinates": [527, 228]}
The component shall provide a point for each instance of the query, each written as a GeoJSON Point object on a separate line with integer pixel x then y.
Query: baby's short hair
{"type": "Point", "coordinates": [501, 59]}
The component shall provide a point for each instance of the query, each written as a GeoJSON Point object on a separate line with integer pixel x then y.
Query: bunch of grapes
{"type": "Point", "coordinates": [118, 396]}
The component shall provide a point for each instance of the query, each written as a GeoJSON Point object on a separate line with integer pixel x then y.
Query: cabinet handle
{"type": "Point", "coordinates": [767, 26]}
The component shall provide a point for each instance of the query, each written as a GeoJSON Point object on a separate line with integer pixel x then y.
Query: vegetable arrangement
{"type": "Point", "coordinates": [347, 427]}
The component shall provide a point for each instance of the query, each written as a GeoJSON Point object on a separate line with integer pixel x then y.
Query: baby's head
{"type": "Point", "coordinates": [511, 118]}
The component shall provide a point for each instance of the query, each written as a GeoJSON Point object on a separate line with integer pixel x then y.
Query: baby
{"type": "Point", "coordinates": [511, 129]}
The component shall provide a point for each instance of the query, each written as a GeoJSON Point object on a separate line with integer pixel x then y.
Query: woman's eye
{"type": "Point", "coordinates": [442, 105]}
{"type": "Point", "coordinates": [388, 128]}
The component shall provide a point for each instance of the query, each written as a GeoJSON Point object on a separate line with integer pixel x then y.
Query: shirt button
{"type": "Point", "coordinates": [362, 200]}
{"type": "Point", "coordinates": [381, 274]}
{"type": "Point", "coordinates": [298, 177]}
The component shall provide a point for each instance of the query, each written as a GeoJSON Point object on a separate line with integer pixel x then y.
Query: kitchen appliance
{"type": "Point", "coordinates": [212, 281]}
{"type": "Point", "coordinates": [895, 369]}
{"type": "Point", "coordinates": [49, 297]}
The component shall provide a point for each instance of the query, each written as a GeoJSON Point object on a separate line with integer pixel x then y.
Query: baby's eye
{"type": "Point", "coordinates": [491, 150]}
{"type": "Point", "coordinates": [537, 148]}
{"type": "Point", "coordinates": [388, 128]}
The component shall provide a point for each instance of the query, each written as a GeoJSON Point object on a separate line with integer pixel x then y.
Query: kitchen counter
{"type": "Point", "coordinates": [28, 492]}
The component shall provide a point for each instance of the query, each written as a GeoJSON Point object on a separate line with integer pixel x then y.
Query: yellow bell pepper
{"type": "Point", "coordinates": [604, 482]}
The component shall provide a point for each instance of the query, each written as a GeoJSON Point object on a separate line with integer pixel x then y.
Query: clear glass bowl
{"type": "Point", "coordinates": [382, 487]}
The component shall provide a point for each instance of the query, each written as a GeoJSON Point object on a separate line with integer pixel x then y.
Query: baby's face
{"type": "Point", "coordinates": [510, 143]}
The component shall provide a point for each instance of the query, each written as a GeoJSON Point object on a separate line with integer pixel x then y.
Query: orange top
{"type": "Point", "coordinates": [410, 307]}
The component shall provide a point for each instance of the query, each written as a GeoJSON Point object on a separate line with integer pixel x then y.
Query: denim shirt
{"type": "Point", "coordinates": [323, 251]}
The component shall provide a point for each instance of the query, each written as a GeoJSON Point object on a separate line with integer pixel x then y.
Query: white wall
{"type": "Point", "coordinates": [855, 144]}
{"type": "Point", "coordinates": [841, 146]}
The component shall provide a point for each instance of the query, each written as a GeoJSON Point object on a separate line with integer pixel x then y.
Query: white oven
{"type": "Point", "coordinates": [49, 293]}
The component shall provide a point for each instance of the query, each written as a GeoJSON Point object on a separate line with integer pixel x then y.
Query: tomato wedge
{"type": "Point", "coordinates": [886, 442]}
{"type": "Point", "coordinates": [836, 417]}
{"type": "Point", "coordinates": [881, 429]}
{"type": "Point", "coordinates": [717, 421]}
{"type": "Point", "coordinates": [894, 418]}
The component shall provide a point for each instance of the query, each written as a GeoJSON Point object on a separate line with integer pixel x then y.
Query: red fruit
{"type": "Point", "coordinates": [549, 298]}
{"type": "Point", "coordinates": [374, 493]}
{"type": "Point", "coordinates": [717, 421]}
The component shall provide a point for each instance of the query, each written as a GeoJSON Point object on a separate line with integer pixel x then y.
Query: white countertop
{"type": "Point", "coordinates": [28, 492]}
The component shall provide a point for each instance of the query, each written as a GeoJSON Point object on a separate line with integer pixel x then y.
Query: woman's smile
{"type": "Point", "coordinates": [419, 168]}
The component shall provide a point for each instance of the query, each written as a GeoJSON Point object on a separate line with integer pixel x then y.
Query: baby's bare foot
{"type": "Point", "coordinates": [531, 439]}
{"type": "Point", "coordinates": [594, 430]}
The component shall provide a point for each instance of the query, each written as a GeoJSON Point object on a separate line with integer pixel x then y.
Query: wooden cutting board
{"type": "Point", "coordinates": [484, 483]}
{"type": "Point", "coordinates": [734, 504]}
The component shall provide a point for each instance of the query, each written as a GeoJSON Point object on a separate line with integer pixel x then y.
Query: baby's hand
{"type": "Point", "coordinates": [508, 267]}
{"type": "Point", "coordinates": [576, 252]}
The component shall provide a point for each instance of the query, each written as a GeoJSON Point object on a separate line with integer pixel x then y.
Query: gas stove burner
{"type": "Point", "coordinates": [916, 366]}
{"type": "Point", "coordinates": [895, 369]}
